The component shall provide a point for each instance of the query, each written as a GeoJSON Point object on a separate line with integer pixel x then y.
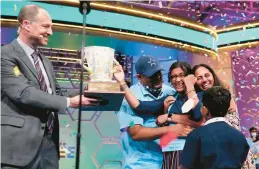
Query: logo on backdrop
{"type": "Point", "coordinates": [66, 151]}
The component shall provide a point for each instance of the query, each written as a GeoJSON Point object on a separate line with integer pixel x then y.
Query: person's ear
{"type": "Point", "coordinates": [204, 111]}
{"type": "Point", "coordinates": [26, 25]}
{"type": "Point", "coordinates": [139, 76]}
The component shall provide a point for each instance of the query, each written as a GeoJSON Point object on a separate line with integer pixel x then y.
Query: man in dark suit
{"type": "Point", "coordinates": [216, 145]}
{"type": "Point", "coordinates": [31, 98]}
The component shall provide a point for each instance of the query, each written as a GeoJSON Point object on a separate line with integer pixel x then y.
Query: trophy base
{"type": "Point", "coordinates": [103, 86]}
{"type": "Point", "coordinates": [110, 101]}
{"type": "Point", "coordinates": [109, 92]}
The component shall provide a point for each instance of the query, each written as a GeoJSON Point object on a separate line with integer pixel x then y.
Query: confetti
{"type": "Point", "coordinates": [15, 7]}
{"type": "Point", "coordinates": [131, 124]}
{"type": "Point", "coordinates": [67, 125]}
{"type": "Point", "coordinates": [160, 4]}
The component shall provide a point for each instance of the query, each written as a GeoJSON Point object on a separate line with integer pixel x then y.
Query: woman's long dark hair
{"type": "Point", "coordinates": [179, 64]}
{"type": "Point", "coordinates": [217, 82]}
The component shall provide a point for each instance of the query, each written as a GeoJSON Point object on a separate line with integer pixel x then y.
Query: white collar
{"type": "Point", "coordinates": [28, 50]}
{"type": "Point", "coordinates": [216, 119]}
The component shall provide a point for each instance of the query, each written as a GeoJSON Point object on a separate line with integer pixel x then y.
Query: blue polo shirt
{"type": "Point", "coordinates": [139, 154]}
{"type": "Point", "coordinates": [214, 146]}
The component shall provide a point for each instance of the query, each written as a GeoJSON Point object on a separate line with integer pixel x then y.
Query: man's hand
{"type": "Point", "coordinates": [180, 129]}
{"type": "Point", "coordinates": [86, 101]}
{"type": "Point", "coordinates": [167, 102]}
{"type": "Point", "coordinates": [184, 119]}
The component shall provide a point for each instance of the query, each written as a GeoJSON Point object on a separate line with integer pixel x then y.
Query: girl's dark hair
{"type": "Point", "coordinates": [217, 82]}
{"type": "Point", "coordinates": [183, 65]}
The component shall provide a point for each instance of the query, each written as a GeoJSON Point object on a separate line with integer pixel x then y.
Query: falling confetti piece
{"type": "Point", "coordinates": [15, 7]}
{"type": "Point", "coordinates": [131, 124]}
{"type": "Point", "coordinates": [67, 125]}
{"type": "Point", "coordinates": [160, 4]}
{"type": "Point", "coordinates": [254, 79]}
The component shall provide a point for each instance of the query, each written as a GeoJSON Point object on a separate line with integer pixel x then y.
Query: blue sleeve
{"type": "Point", "coordinates": [150, 107]}
{"type": "Point", "coordinates": [197, 116]}
{"type": "Point", "coordinates": [127, 117]}
{"type": "Point", "coordinates": [175, 108]}
{"type": "Point", "coordinates": [191, 152]}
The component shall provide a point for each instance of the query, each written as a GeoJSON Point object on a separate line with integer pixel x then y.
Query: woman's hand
{"type": "Point", "coordinates": [167, 102]}
{"type": "Point", "coordinates": [118, 74]}
{"type": "Point", "coordinates": [190, 80]}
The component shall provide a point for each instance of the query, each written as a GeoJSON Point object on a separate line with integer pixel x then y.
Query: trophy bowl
{"type": "Point", "coordinates": [100, 62]}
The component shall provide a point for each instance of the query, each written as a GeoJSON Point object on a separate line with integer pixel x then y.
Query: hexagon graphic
{"type": "Point", "coordinates": [107, 124]}
{"type": "Point", "coordinates": [86, 115]}
{"type": "Point", "coordinates": [247, 121]}
{"type": "Point", "coordinates": [253, 107]}
{"type": "Point", "coordinates": [89, 142]}
{"type": "Point", "coordinates": [111, 165]}
{"type": "Point", "coordinates": [107, 155]}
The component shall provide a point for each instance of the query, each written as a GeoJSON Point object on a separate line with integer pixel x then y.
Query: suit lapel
{"type": "Point", "coordinates": [21, 53]}
{"type": "Point", "coordinates": [47, 67]}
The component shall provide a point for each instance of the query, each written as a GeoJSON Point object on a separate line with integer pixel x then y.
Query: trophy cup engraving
{"type": "Point", "coordinates": [100, 63]}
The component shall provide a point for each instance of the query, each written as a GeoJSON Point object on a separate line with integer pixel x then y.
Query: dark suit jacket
{"type": "Point", "coordinates": [24, 107]}
{"type": "Point", "coordinates": [215, 146]}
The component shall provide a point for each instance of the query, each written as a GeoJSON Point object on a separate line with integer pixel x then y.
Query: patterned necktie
{"type": "Point", "coordinates": [43, 86]}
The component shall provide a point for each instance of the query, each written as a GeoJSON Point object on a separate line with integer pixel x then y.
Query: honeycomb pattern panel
{"type": "Point", "coordinates": [85, 116]}
{"type": "Point", "coordinates": [90, 140]}
{"type": "Point", "coordinates": [108, 154]}
{"type": "Point", "coordinates": [106, 127]}
{"type": "Point", "coordinates": [246, 72]}
{"type": "Point", "coordinates": [111, 165]}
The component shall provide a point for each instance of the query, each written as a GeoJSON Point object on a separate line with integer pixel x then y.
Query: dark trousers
{"type": "Point", "coordinates": [46, 158]}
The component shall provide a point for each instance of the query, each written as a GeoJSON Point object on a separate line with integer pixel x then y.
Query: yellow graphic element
{"type": "Point", "coordinates": [16, 71]}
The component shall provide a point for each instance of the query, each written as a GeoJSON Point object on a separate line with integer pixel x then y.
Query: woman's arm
{"type": "Point", "coordinates": [232, 116]}
{"type": "Point", "coordinates": [140, 107]}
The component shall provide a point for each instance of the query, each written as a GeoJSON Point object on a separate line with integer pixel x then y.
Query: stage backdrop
{"type": "Point", "coordinates": [100, 145]}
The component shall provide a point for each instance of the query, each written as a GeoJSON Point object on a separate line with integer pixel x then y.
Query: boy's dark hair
{"type": "Point", "coordinates": [179, 64]}
{"type": "Point", "coordinates": [217, 101]}
{"type": "Point", "coordinates": [252, 128]}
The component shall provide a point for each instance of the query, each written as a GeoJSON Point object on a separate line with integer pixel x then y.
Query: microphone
{"type": "Point", "coordinates": [36, 36]}
{"type": "Point", "coordinates": [84, 5]}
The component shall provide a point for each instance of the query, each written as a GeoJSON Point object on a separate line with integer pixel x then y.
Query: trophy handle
{"type": "Point", "coordinates": [85, 67]}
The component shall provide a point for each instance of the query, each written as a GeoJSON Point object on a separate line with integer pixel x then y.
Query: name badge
{"type": "Point", "coordinates": [174, 145]}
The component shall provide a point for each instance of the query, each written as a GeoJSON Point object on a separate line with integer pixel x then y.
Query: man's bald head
{"type": "Point", "coordinates": [35, 25]}
{"type": "Point", "coordinates": [29, 12]}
